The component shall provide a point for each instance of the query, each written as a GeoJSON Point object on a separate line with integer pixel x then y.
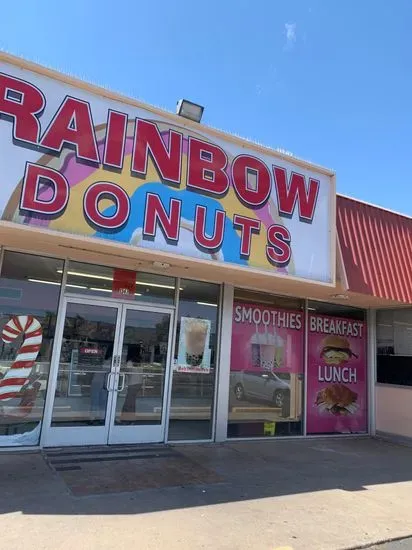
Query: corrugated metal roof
{"type": "Point", "coordinates": [376, 247]}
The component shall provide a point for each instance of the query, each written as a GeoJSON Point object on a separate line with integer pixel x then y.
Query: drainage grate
{"type": "Point", "coordinates": [72, 458]}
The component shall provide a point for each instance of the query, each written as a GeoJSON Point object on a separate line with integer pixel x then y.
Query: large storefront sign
{"type": "Point", "coordinates": [337, 389]}
{"type": "Point", "coordinates": [76, 162]}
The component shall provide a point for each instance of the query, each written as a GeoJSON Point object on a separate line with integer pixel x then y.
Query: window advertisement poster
{"type": "Point", "coordinates": [21, 380]}
{"type": "Point", "coordinates": [266, 367]}
{"type": "Point", "coordinates": [336, 378]}
{"type": "Point", "coordinates": [194, 351]}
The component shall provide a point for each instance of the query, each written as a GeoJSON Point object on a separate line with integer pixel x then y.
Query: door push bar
{"type": "Point", "coordinates": [110, 386]}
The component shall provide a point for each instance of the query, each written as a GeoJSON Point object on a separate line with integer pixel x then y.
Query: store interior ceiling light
{"type": "Point", "coordinates": [206, 304]}
{"type": "Point", "coordinates": [107, 278]}
{"type": "Point", "coordinates": [76, 286]}
{"type": "Point", "coordinates": [54, 283]}
{"type": "Point", "coordinates": [95, 288]}
{"type": "Point", "coordinates": [100, 289]}
{"type": "Point", "coordinates": [43, 282]}
{"type": "Point", "coordinates": [86, 287]}
{"type": "Point", "coordinates": [190, 110]}
{"type": "Point", "coordinates": [157, 285]}
{"type": "Point", "coordinates": [90, 275]}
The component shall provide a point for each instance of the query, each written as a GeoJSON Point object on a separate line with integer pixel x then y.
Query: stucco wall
{"type": "Point", "coordinates": [394, 410]}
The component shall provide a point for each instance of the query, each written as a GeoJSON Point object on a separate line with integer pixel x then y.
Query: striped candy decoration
{"type": "Point", "coordinates": [19, 372]}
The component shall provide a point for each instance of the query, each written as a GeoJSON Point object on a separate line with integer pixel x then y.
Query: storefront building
{"type": "Point", "coordinates": [161, 281]}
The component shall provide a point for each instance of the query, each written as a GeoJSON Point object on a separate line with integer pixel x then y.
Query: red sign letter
{"type": "Point", "coordinates": [23, 103]}
{"type": "Point", "coordinates": [106, 189]}
{"type": "Point", "coordinates": [53, 183]}
{"type": "Point", "coordinates": [115, 139]}
{"type": "Point", "coordinates": [147, 139]}
{"type": "Point", "coordinates": [214, 242]}
{"type": "Point", "coordinates": [155, 212]}
{"type": "Point", "coordinates": [206, 167]}
{"type": "Point", "coordinates": [251, 180]}
{"type": "Point", "coordinates": [247, 227]}
{"type": "Point", "coordinates": [278, 251]}
{"type": "Point", "coordinates": [73, 125]}
{"type": "Point", "coordinates": [295, 190]}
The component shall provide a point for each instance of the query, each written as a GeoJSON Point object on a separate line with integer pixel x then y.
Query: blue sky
{"type": "Point", "coordinates": [328, 80]}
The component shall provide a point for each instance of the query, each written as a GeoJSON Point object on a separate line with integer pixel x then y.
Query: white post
{"type": "Point", "coordinates": [224, 364]}
{"type": "Point", "coordinates": [371, 371]}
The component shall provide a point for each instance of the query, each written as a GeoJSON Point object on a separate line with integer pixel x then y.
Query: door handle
{"type": "Point", "coordinates": [108, 380]}
{"type": "Point", "coordinates": [123, 381]}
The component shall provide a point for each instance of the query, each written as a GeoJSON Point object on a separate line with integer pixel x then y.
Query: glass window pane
{"type": "Point", "coordinates": [155, 288]}
{"type": "Point", "coordinates": [194, 371]}
{"type": "Point", "coordinates": [143, 367]}
{"type": "Point", "coordinates": [394, 346]}
{"type": "Point", "coordinates": [109, 282]}
{"type": "Point", "coordinates": [267, 366]}
{"type": "Point", "coordinates": [337, 310]}
{"type": "Point", "coordinates": [385, 331]}
{"type": "Point", "coordinates": [29, 297]}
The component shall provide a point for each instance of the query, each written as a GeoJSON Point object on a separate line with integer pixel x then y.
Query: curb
{"type": "Point", "coordinates": [377, 543]}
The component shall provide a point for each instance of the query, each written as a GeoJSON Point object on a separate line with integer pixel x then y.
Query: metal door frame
{"type": "Point", "coordinates": [100, 435]}
{"type": "Point", "coordinates": [141, 433]}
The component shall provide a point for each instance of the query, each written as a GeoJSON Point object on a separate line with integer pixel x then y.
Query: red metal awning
{"type": "Point", "coordinates": [376, 248]}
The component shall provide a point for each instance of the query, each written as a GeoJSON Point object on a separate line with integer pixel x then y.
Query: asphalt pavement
{"type": "Point", "coordinates": [404, 544]}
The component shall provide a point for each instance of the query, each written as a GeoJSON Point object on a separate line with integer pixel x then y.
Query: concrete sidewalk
{"type": "Point", "coordinates": [302, 495]}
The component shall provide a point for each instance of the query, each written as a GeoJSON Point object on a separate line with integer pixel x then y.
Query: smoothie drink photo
{"type": "Point", "coordinates": [267, 351]}
{"type": "Point", "coordinates": [195, 337]}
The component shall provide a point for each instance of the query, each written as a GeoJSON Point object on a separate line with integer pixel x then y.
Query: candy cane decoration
{"type": "Point", "coordinates": [19, 372]}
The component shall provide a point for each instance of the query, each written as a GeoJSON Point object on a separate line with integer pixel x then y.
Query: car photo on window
{"type": "Point", "coordinates": [266, 386]}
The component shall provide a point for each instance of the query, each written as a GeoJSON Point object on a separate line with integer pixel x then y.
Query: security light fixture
{"type": "Point", "coordinates": [189, 110]}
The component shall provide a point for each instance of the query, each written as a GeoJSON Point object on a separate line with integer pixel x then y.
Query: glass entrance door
{"type": "Point", "coordinates": [142, 376]}
{"type": "Point", "coordinates": [111, 378]}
